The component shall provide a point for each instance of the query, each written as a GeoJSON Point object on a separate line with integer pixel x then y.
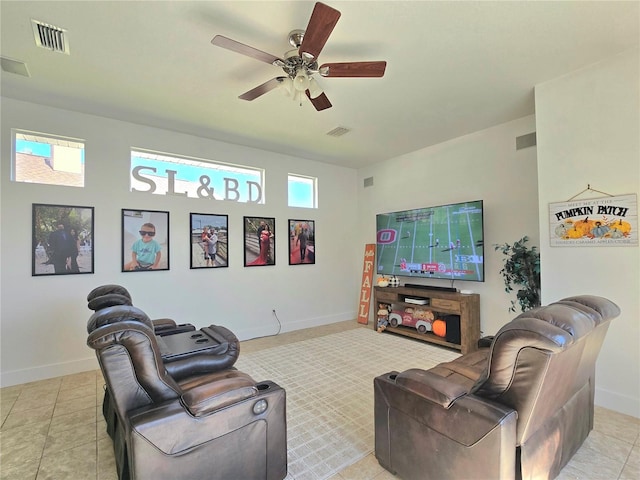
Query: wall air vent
{"type": "Point", "coordinates": [50, 37]}
{"type": "Point", "coordinates": [338, 131]}
{"type": "Point", "coordinates": [525, 141]}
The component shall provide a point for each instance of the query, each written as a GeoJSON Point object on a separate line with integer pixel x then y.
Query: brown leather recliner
{"type": "Point", "coordinates": [185, 352]}
{"type": "Point", "coordinates": [517, 410]}
{"type": "Point", "coordinates": [220, 425]}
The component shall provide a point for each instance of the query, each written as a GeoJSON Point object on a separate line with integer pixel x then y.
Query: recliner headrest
{"type": "Point", "coordinates": [115, 314]}
{"type": "Point", "coordinates": [107, 289]}
{"type": "Point", "coordinates": [574, 321]}
{"type": "Point", "coordinates": [604, 307]}
{"type": "Point", "coordinates": [109, 300]}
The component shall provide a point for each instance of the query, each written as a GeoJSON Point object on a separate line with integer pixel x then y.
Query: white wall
{"type": "Point", "coordinates": [43, 319]}
{"type": "Point", "coordinates": [589, 133]}
{"type": "Point", "coordinates": [482, 166]}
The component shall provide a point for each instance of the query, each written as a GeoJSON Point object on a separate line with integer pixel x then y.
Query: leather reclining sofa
{"type": "Point", "coordinates": [185, 351]}
{"type": "Point", "coordinates": [201, 420]}
{"type": "Point", "coordinates": [519, 409]}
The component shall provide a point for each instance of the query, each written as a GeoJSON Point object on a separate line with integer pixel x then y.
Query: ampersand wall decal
{"type": "Point", "coordinates": [203, 190]}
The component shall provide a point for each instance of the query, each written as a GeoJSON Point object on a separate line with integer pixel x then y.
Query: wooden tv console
{"type": "Point", "coordinates": [467, 306]}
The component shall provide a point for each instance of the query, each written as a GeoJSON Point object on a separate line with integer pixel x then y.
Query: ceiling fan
{"type": "Point", "coordinates": [301, 63]}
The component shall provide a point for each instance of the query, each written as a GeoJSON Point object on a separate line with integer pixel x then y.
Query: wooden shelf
{"type": "Point", "coordinates": [466, 307]}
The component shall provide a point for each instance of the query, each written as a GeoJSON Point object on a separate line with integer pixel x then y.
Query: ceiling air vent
{"type": "Point", "coordinates": [338, 131]}
{"type": "Point", "coordinates": [14, 66]}
{"type": "Point", "coordinates": [50, 37]}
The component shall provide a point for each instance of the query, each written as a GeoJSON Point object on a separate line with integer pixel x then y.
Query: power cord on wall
{"type": "Point", "coordinates": [273, 334]}
{"type": "Point", "coordinates": [279, 324]}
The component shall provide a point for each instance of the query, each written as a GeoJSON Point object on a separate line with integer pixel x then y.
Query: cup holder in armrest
{"type": "Point", "coordinates": [263, 386]}
{"type": "Point", "coordinates": [393, 376]}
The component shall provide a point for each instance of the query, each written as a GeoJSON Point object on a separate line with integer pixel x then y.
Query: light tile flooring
{"type": "Point", "coordinates": [53, 430]}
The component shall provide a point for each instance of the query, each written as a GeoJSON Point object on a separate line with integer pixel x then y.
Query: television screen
{"type": "Point", "coordinates": [436, 242]}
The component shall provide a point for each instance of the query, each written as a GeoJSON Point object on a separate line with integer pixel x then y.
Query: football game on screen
{"type": "Point", "coordinates": [437, 242]}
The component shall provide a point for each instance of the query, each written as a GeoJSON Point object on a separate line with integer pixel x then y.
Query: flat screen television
{"type": "Point", "coordinates": [444, 242]}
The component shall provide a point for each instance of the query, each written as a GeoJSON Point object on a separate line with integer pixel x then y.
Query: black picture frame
{"type": "Point", "coordinates": [62, 240]}
{"type": "Point", "coordinates": [302, 242]}
{"type": "Point", "coordinates": [259, 248]}
{"type": "Point", "coordinates": [135, 221]}
{"type": "Point", "coordinates": [200, 249]}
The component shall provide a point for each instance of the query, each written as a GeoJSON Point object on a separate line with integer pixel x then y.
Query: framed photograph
{"type": "Point", "coordinates": [209, 240]}
{"type": "Point", "coordinates": [62, 240]}
{"type": "Point", "coordinates": [302, 242]}
{"type": "Point", "coordinates": [259, 241]}
{"type": "Point", "coordinates": [145, 240]}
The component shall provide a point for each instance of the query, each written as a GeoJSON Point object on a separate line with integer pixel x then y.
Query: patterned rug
{"type": "Point", "coordinates": [329, 384]}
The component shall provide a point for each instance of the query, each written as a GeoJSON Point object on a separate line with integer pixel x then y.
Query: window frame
{"type": "Point", "coordinates": [69, 166]}
{"type": "Point", "coordinates": [293, 178]}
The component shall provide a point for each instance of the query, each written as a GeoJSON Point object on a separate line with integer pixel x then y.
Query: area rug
{"type": "Point", "coordinates": [329, 385]}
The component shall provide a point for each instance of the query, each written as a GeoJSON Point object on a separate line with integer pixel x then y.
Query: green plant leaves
{"type": "Point", "coordinates": [521, 269]}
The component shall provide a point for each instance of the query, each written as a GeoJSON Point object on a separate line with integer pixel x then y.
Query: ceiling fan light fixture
{"type": "Point", "coordinates": [297, 97]}
{"type": "Point", "coordinates": [301, 80]}
{"type": "Point", "coordinates": [287, 86]}
{"type": "Point", "coordinates": [314, 88]}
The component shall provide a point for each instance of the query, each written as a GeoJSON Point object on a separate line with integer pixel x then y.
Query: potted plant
{"type": "Point", "coordinates": [521, 269]}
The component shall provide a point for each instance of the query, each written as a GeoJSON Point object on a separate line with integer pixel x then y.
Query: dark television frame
{"type": "Point", "coordinates": [423, 275]}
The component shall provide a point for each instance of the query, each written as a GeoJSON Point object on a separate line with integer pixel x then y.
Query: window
{"type": "Point", "coordinates": [48, 159]}
{"type": "Point", "coordinates": [303, 191]}
{"type": "Point", "coordinates": [161, 174]}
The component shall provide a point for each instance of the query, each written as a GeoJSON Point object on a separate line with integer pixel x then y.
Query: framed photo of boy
{"type": "Point", "coordinates": [145, 240]}
{"type": "Point", "coordinates": [302, 242]}
{"type": "Point", "coordinates": [209, 240]}
{"type": "Point", "coordinates": [259, 241]}
{"type": "Point", "coordinates": [62, 240]}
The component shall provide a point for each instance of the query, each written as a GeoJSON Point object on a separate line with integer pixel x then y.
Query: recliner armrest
{"type": "Point", "coordinates": [206, 398]}
{"type": "Point", "coordinates": [160, 323]}
{"type": "Point", "coordinates": [172, 429]}
{"type": "Point", "coordinates": [432, 387]}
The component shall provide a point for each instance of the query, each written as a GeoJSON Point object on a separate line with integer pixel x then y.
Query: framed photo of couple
{"type": "Point", "coordinates": [145, 240]}
{"type": "Point", "coordinates": [62, 240]}
{"type": "Point", "coordinates": [259, 241]}
{"type": "Point", "coordinates": [302, 242]}
{"type": "Point", "coordinates": [209, 240]}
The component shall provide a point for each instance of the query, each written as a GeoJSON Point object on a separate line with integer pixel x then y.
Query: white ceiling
{"type": "Point", "coordinates": [452, 67]}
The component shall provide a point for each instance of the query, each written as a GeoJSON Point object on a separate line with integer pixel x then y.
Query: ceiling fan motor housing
{"type": "Point", "coordinates": [301, 64]}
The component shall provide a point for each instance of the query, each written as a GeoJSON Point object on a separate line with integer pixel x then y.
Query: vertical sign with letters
{"type": "Point", "coordinates": [365, 286]}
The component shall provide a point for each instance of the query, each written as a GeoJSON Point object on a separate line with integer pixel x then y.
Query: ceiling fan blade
{"type": "Point", "coordinates": [321, 102]}
{"type": "Point", "coordinates": [262, 89]}
{"type": "Point", "coordinates": [224, 42]}
{"type": "Point", "coordinates": [320, 26]}
{"type": "Point", "coordinates": [353, 69]}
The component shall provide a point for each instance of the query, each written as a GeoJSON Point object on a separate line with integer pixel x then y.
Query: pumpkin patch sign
{"type": "Point", "coordinates": [598, 222]}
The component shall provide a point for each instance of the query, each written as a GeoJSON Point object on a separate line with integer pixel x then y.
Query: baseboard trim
{"type": "Point", "coordinates": [34, 374]}
{"type": "Point", "coordinates": [617, 402]}
{"type": "Point", "coordinates": [272, 327]}
{"type": "Point", "coordinates": [43, 372]}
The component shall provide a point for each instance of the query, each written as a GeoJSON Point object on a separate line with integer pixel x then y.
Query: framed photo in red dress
{"type": "Point", "coordinates": [259, 241]}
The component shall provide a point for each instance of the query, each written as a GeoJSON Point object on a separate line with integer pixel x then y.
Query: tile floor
{"type": "Point", "coordinates": [53, 430]}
